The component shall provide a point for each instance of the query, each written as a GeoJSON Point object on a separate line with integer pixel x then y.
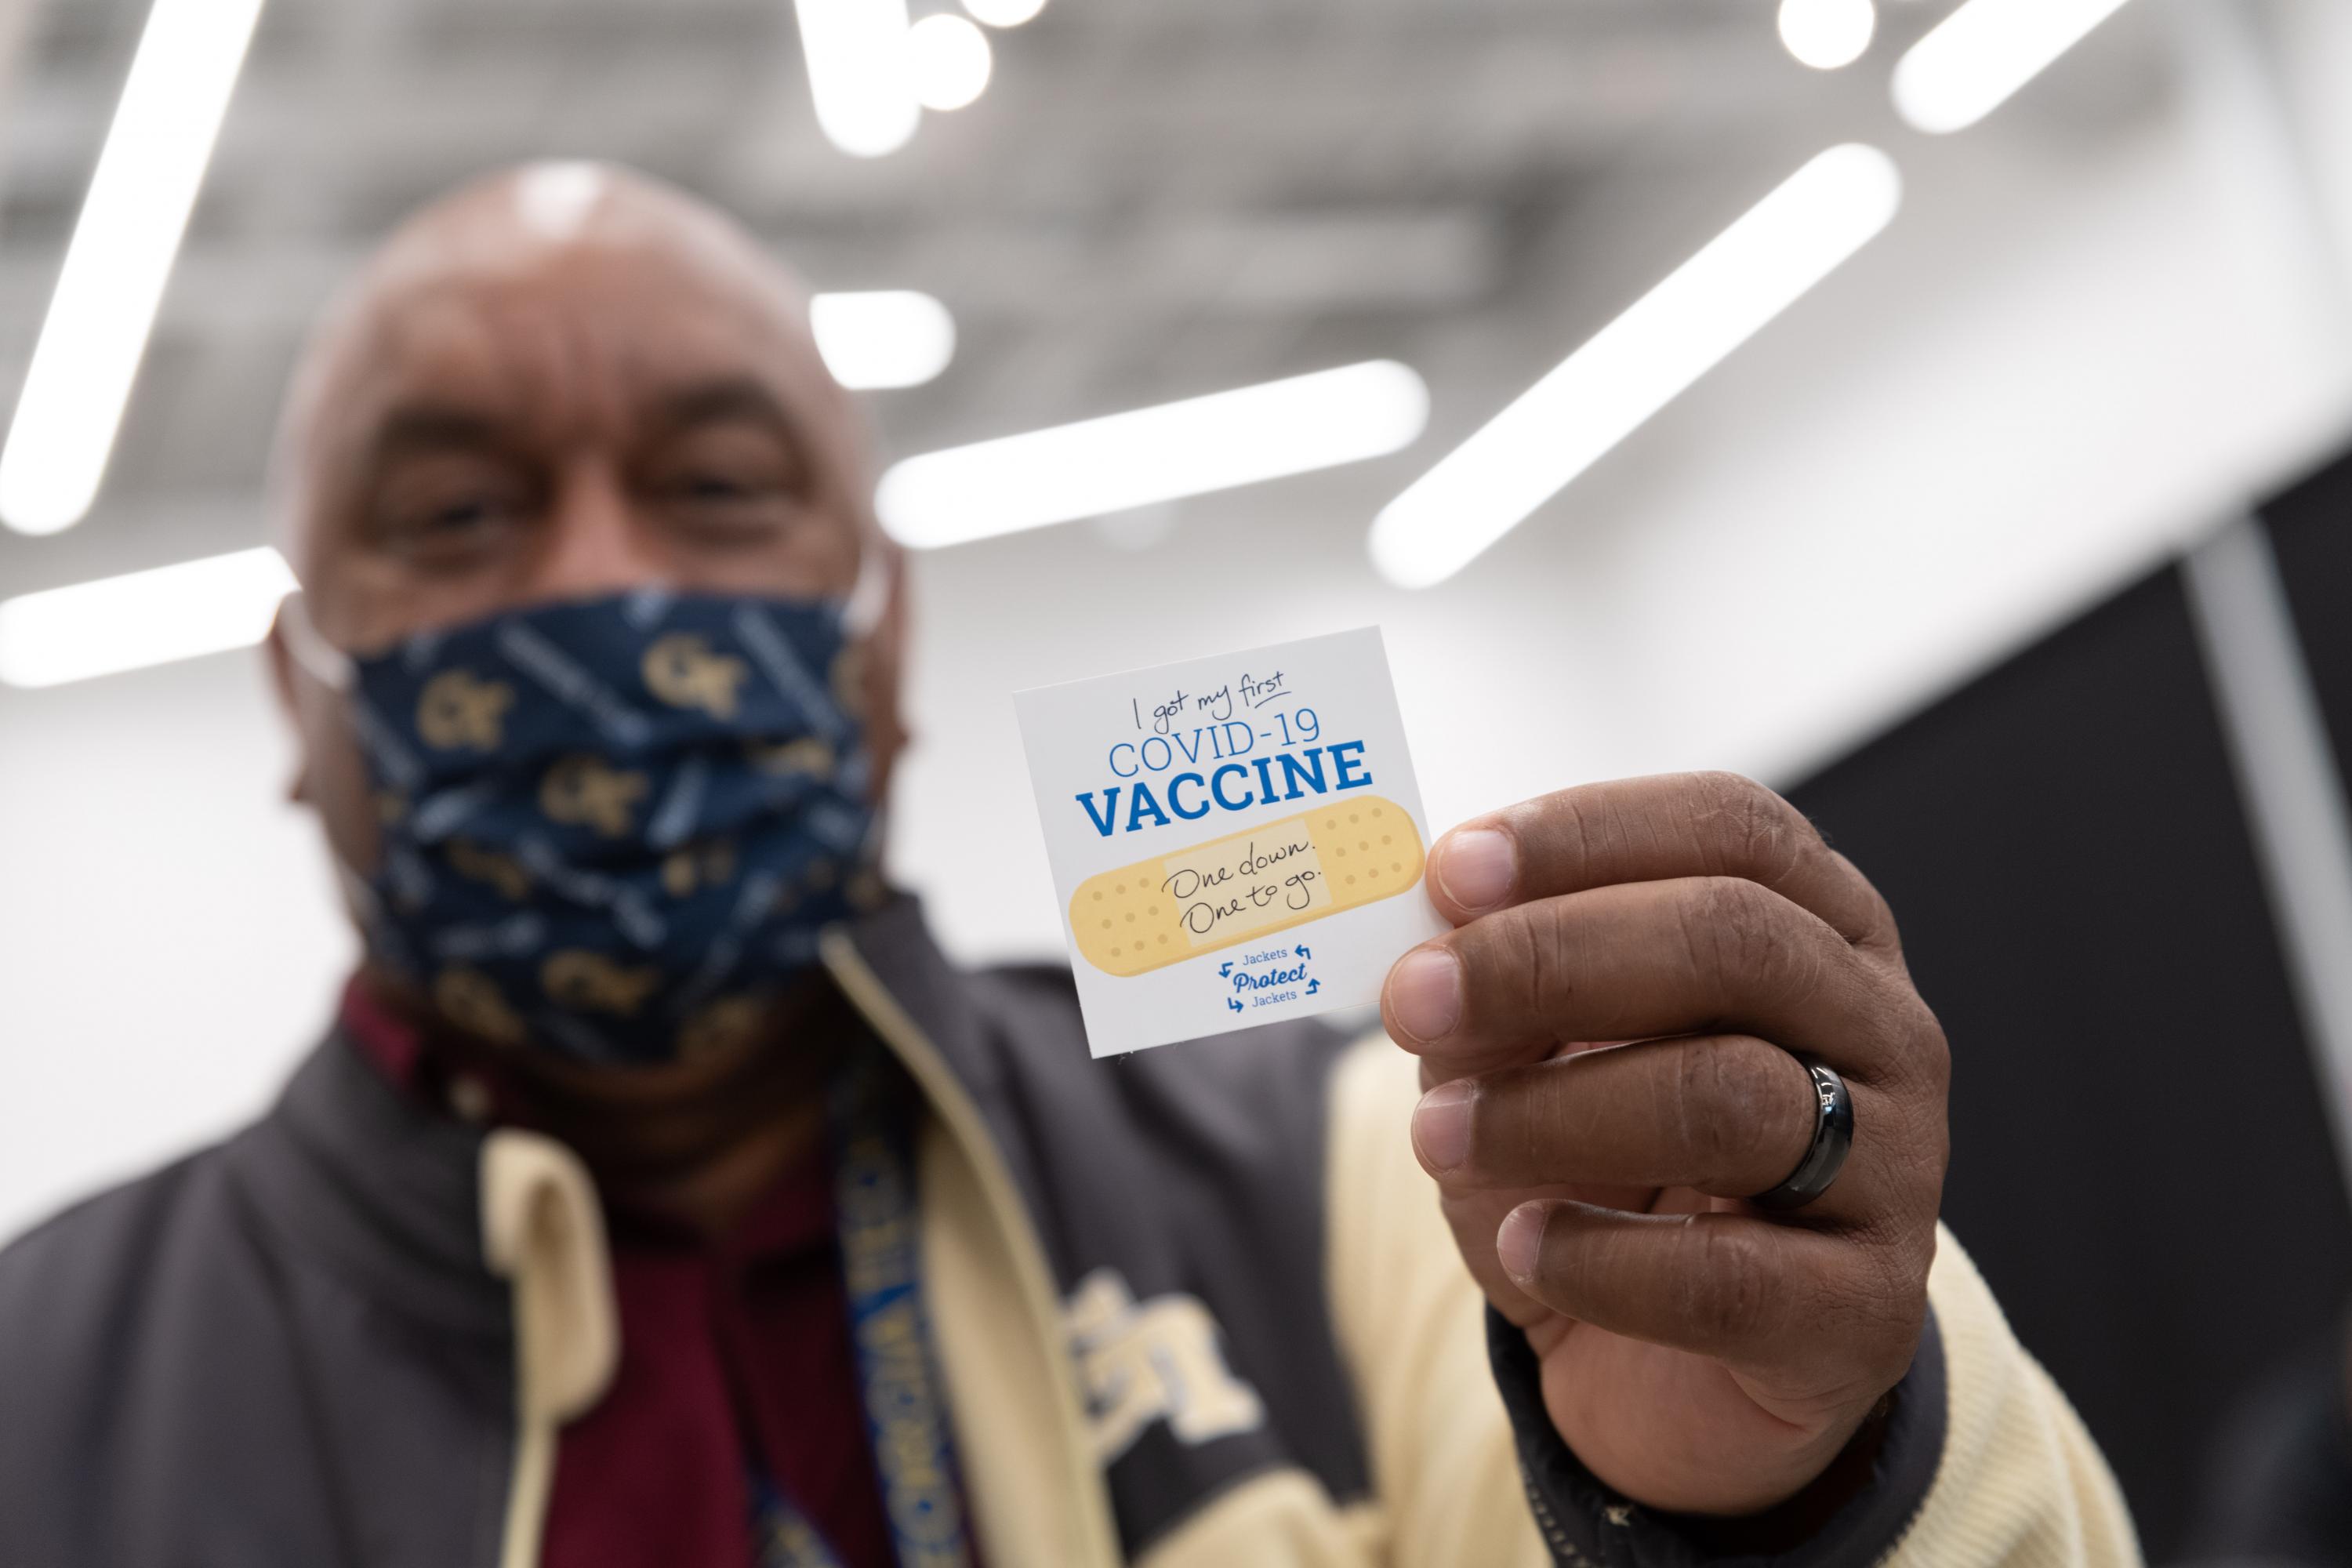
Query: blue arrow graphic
{"type": "Point", "coordinates": [1234, 1002]}
{"type": "Point", "coordinates": [1313, 986]}
{"type": "Point", "coordinates": [1225, 969]}
{"type": "Point", "coordinates": [1301, 951]}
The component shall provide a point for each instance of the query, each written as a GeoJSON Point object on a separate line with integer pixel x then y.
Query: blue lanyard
{"type": "Point", "coordinates": [906, 1420]}
{"type": "Point", "coordinates": [782, 1535]}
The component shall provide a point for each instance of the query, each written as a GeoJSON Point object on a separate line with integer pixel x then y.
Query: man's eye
{"type": "Point", "coordinates": [456, 518]}
{"type": "Point", "coordinates": [464, 516]}
{"type": "Point", "coordinates": [436, 522]}
{"type": "Point", "coordinates": [726, 502]}
{"type": "Point", "coordinates": [716, 487]}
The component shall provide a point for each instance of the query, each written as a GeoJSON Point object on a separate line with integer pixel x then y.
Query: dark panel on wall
{"type": "Point", "coordinates": [2311, 531]}
{"type": "Point", "coordinates": [2064, 845]}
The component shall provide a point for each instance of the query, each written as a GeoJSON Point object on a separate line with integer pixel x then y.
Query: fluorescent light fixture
{"type": "Point", "coordinates": [1636, 364]}
{"type": "Point", "coordinates": [1131, 460]}
{"type": "Point", "coordinates": [148, 617]}
{"type": "Point", "coordinates": [1827, 34]}
{"type": "Point", "coordinates": [1974, 58]}
{"type": "Point", "coordinates": [856, 52]}
{"type": "Point", "coordinates": [1004, 13]}
{"type": "Point", "coordinates": [119, 258]}
{"type": "Point", "coordinates": [949, 61]}
{"type": "Point", "coordinates": [882, 338]}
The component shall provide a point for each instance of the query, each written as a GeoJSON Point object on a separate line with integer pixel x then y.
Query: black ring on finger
{"type": "Point", "coordinates": [1833, 1141]}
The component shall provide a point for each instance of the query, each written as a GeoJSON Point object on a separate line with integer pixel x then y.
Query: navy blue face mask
{"type": "Point", "coordinates": [613, 829]}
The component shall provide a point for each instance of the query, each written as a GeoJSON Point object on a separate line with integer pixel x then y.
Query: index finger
{"type": "Point", "coordinates": [1655, 830]}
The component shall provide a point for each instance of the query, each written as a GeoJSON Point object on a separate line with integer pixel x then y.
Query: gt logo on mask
{"type": "Point", "coordinates": [683, 672]}
{"type": "Point", "coordinates": [623, 820]}
{"type": "Point", "coordinates": [580, 790]}
{"type": "Point", "coordinates": [456, 709]}
{"type": "Point", "coordinates": [592, 982]}
{"type": "Point", "coordinates": [470, 999]}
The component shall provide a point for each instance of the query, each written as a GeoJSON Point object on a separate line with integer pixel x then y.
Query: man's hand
{"type": "Point", "coordinates": [1699, 1354]}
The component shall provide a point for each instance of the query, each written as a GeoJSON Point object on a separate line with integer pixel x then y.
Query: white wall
{"type": "Point", "coordinates": [168, 934]}
{"type": "Point", "coordinates": [2050, 370]}
{"type": "Point", "coordinates": [2047, 374]}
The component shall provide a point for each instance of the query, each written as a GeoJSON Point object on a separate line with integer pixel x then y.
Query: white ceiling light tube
{"type": "Point", "coordinates": [950, 61]}
{"type": "Point", "coordinates": [1004, 13]}
{"type": "Point", "coordinates": [1159, 454]}
{"type": "Point", "coordinates": [883, 337]}
{"type": "Point", "coordinates": [119, 258]}
{"type": "Point", "coordinates": [857, 53]}
{"type": "Point", "coordinates": [116, 624]}
{"type": "Point", "coordinates": [1827, 34]}
{"type": "Point", "coordinates": [1980, 54]}
{"type": "Point", "coordinates": [1636, 364]}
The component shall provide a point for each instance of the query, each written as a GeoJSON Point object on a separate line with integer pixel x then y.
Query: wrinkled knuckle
{"type": "Point", "coordinates": [1892, 1305]}
{"type": "Point", "coordinates": [1730, 1100]}
{"type": "Point", "coordinates": [1777, 1108]}
{"type": "Point", "coordinates": [1907, 1145]}
{"type": "Point", "coordinates": [1576, 834]}
{"type": "Point", "coordinates": [1549, 1103]}
{"type": "Point", "coordinates": [1729, 794]}
{"type": "Point", "coordinates": [1919, 1055]}
{"type": "Point", "coordinates": [1715, 905]}
{"type": "Point", "coordinates": [1565, 832]}
{"type": "Point", "coordinates": [1699, 1116]}
{"type": "Point", "coordinates": [1753, 828]}
{"type": "Point", "coordinates": [1513, 963]}
{"type": "Point", "coordinates": [1729, 927]}
{"type": "Point", "coordinates": [1733, 1293]}
{"type": "Point", "coordinates": [1929, 1046]}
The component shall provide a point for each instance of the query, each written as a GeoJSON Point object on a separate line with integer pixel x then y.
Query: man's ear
{"type": "Point", "coordinates": [282, 675]}
{"type": "Point", "coordinates": [883, 669]}
{"type": "Point", "coordinates": [329, 775]}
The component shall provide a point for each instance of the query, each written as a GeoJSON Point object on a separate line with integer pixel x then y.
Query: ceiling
{"type": "Point", "coordinates": [2101, 319]}
{"type": "Point", "coordinates": [1150, 200]}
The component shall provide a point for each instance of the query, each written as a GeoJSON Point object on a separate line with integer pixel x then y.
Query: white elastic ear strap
{"type": "Point", "coordinates": [870, 594]}
{"type": "Point", "coordinates": [327, 665]}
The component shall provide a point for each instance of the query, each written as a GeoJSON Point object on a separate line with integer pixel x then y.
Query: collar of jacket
{"type": "Point", "coordinates": [496, 1235]}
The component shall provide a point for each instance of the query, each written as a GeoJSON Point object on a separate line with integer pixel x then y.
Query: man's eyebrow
{"type": "Point", "coordinates": [723, 402]}
{"type": "Point", "coordinates": [435, 427]}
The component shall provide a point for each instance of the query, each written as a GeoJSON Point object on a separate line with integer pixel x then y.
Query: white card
{"type": "Point", "coordinates": [1234, 840]}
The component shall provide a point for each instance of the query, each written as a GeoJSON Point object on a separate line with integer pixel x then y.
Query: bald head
{"type": "Point", "coordinates": [559, 383]}
{"type": "Point", "coordinates": [509, 336]}
{"type": "Point", "coordinates": [514, 220]}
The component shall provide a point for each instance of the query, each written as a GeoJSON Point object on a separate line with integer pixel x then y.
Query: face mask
{"type": "Point", "coordinates": [613, 829]}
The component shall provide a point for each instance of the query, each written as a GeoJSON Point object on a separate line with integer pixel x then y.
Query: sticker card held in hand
{"type": "Point", "coordinates": [1234, 840]}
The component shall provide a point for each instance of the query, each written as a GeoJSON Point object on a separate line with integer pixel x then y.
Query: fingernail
{"type": "Point", "coordinates": [1440, 1125]}
{"type": "Point", "coordinates": [1519, 1240]}
{"type": "Point", "coordinates": [1425, 994]}
{"type": "Point", "coordinates": [1476, 867]}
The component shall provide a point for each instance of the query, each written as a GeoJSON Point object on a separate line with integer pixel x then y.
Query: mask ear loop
{"type": "Point", "coordinates": [327, 665]}
{"type": "Point", "coordinates": [331, 667]}
{"type": "Point", "coordinates": [869, 596]}
{"type": "Point", "coordinates": [861, 615]}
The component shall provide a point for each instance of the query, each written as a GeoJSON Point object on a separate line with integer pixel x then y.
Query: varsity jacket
{"type": "Point", "coordinates": [1195, 1307]}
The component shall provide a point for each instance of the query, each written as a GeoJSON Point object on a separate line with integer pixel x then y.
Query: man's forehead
{"type": "Point", "coordinates": [501, 274]}
{"type": "Point", "coordinates": [422, 415]}
{"type": "Point", "coordinates": [524, 218]}
{"type": "Point", "coordinates": [582, 321]}
{"type": "Point", "coordinates": [548, 235]}
{"type": "Point", "coordinates": [479, 297]}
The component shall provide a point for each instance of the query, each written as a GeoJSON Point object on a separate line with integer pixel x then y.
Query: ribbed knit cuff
{"type": "Point", "coordinates": [1589, 1526]}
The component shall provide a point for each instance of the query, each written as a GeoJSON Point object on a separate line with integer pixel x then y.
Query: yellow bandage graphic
{"type": "Point", "coordinates": [1157, 913]}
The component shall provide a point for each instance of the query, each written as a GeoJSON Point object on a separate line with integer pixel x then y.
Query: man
{"type": "Point", "coordinates": [663, 1196]}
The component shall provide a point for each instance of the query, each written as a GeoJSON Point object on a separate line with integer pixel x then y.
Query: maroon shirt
{"type": "Point", "coordinates": [732, 1353]}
